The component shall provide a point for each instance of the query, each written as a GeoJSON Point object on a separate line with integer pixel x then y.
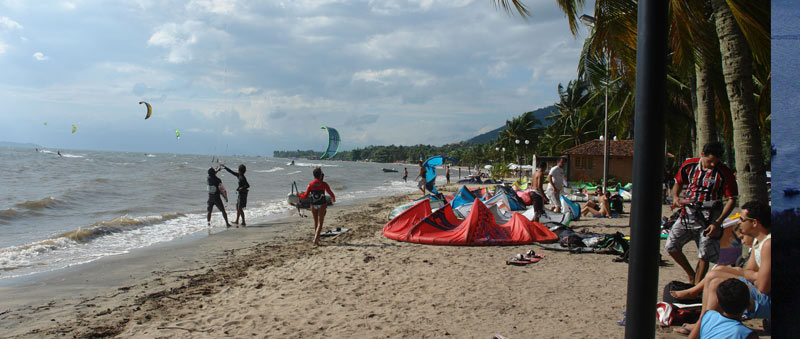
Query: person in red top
{"type": "Point", "coordinates": [707, 182]}
{"type": "Point", "coordinates": [316, 191]}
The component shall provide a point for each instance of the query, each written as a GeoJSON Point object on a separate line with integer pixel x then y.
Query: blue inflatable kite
{"type": "Point", "coordinates": [430, 169]}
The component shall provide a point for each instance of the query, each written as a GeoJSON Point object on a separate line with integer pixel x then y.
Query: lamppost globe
{"type": "Point", "coordinates": [527, 142]}
{"type": "Point", "coordinates": [516, 141]}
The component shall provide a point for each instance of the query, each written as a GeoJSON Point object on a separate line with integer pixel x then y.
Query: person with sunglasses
{"type": "Point", "coordinates": [756, 274]}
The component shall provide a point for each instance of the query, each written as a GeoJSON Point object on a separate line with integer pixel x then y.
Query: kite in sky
{"type": "Point", "coordinates": [149, 109]}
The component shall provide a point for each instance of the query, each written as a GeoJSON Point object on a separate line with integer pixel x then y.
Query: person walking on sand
{"type": "Point", "coordinates": [244, 187]}
{"type": "Point", "coordinates": [556, 178]}
{"type": "Point", "coordinates": [538, 199]}
{"type": "Point", "coordinates": [708, 181]}
{"type": "Point", "coordinates": [421, 177]}
{"type": "Point", "coordinates": [214, 198]}
{"type": "Point", "coordinates": [405, 174]}
{"type": "Point", "coordinates": [316, 190]}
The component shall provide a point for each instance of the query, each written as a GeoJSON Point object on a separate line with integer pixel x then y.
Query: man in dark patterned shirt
{"type": "Point", "coordinates": [707, 182]}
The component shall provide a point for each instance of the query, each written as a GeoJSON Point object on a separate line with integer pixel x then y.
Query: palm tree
{"type": "Point", "coordinates": [742, 31]}
{"type": "Point", "coordinates": [737, 68]}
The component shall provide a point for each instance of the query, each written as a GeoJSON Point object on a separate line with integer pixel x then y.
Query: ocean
{"type": "Point", "coordinates": [57, 212]}
{"type": "Point", "coordinates": [785, 127]}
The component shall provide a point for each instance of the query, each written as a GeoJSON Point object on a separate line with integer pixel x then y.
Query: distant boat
{"type": "Point", "coordinates": [389, 170]}
{"type": "Point", "coordinates": [791, 191]}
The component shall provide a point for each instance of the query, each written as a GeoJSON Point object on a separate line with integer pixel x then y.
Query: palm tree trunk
{"type": "Point", "coordinates": [737, 68]}
{"type": "Point", "coordinates": [704, 114]}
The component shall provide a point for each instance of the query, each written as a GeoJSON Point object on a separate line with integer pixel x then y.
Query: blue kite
{"type": "Point", "coordinates": [430, 170]}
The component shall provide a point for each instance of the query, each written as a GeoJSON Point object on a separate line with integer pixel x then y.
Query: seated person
{"type": "Point", "coordinates": [756, 274]}
{"type": "Point", "coordinates": [733, 297]}
{"type": "Point", "coordinates": [603, 203]}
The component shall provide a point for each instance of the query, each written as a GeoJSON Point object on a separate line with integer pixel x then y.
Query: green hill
{"type": "Point", "coordinates": [540, 114]}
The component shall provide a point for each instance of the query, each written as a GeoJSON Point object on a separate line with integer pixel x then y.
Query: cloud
{"type": "Point", "coordinates": [39, 56]}
{"type": "Point", "coordinates": [3, 47]}
{"type": "Point", "coordinates": [68, 5]}
{"type": "Point", "coordinates": [393, 44]}
{"type": "Point", "coordinates": [178, 39]}
{"type": "Point", "coordinates": [394, 76]}
{"type": "Point", "coordinates": [499, 69]}
{"type": "Point", "coordinates": [359, 121]}
{"type": "Point", "coordinates": [212, 6]}
{"type": "Point", "coordinates": [7, 24]}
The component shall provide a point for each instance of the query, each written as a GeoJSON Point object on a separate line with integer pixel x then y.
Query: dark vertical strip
{"type": "Point", "coordinates": [647, 164]}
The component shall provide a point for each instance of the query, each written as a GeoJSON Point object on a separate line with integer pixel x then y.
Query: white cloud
{"type": "Point", "coordinates": [387, 46]}
{"type": "Point", "coordinates": [178, 39]}
{"type": "Point", "coordinates": [3, 47]}
{"type": "Point", "coordinates": [213, 6]}
{"type": "Point", "coordinates": [499, 69]}
{"type": "Point", "coordinates": [7, 24]}
{"type": "Point", "coordinates": [40, 56]}
{"type": "Point", "coordinates": [68, 5]}
{"type": "Point", "coordinates": [395, 76]}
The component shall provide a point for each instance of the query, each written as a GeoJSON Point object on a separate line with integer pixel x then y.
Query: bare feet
{"type": "Point", "coordinates": [682, 295]}
{"type": "Point", "coordinates": [244, 225]}
{"type": "Point", "coordinates": [682, 330]}
{"type": "Point", "coordinates": [685, 329]}
{"type": "Point", "coordinates": [228, 225]}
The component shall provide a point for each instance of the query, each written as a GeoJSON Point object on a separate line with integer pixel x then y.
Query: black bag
{"type": "Point", "coordinates": [679, 286]}
{"type": "Point", "coordinates": [616, 203]}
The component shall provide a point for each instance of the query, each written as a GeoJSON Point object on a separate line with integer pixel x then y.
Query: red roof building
{"type": "Point", "coordinates": [586, 161]}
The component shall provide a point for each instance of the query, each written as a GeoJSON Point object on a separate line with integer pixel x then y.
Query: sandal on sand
{"type": "Point", "coordinates": [531, 255]}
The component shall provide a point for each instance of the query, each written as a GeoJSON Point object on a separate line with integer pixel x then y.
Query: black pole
{"type": "Point", "coordinates": [648, 170]}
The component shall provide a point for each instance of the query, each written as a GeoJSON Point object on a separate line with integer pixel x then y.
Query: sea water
{"type": "Point", "coordinates": [785, 125]}
{"type": "Point", "coordinates": [59, 211]}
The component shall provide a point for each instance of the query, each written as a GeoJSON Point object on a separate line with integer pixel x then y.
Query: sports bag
{"type": "Point", "coordinates": [669, 314]}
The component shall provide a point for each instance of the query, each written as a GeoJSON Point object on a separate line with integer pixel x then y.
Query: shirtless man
{"type": "Point", "coordinates": [605, 206]}
{"type": "Point", "coordinates": [538, 199]}
{"type": "Point", "coordinates": [421, 176]}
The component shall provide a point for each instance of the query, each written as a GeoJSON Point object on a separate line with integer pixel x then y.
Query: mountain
{"type": "Point", "coordinates": [17, 144]}
{"type": "Point", "coordinates": [540, 114]}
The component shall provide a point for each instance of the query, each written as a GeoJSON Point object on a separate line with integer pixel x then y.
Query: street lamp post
{"type": "Point", "coordinates": [589, 20]}
{"type": "Point", "coordinates": [525, 156]}
{"type": "Point", "coordinates": [516, 155]}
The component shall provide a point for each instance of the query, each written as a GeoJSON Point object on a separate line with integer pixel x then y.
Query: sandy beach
{"type": "Point", "coordinates": [267, 281]}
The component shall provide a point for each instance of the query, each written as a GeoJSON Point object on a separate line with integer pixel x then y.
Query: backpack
{"type": "Point", "coordinates": [668, 314]}
{"type": "Point", "coordinates": [616, 203]}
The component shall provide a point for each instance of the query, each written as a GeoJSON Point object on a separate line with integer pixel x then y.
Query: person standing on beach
{"type": "Point", "coordinates": [556, 178]}
{"type": "Point", "coordinates": [421, 177]}
{"type": "Point", "coordinates": [316, 190]}
{"type": "Point", "coordinates": [447, 174]}
{"type": "Point", "coordinates": [405, 174]}
{"type": "Point", "coordinates": [707, 182]}
{"type": "Point", "coordinates": [214, 198]}
{"type": "Point", "coordinates": [242, 190]}
{"type": "Point", "coordinates": [538, 199]}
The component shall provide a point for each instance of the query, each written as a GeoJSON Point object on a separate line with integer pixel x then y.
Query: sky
{"type": "Point", "coordinates": [250, 77]}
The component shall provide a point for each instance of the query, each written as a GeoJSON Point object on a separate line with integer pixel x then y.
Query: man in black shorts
{"type": "Point", "coordinates": [214, 198]}
{"type": "Point", "coordinates": [242, 190]}
{"type": "Point", "coordinates": [538, 199]}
